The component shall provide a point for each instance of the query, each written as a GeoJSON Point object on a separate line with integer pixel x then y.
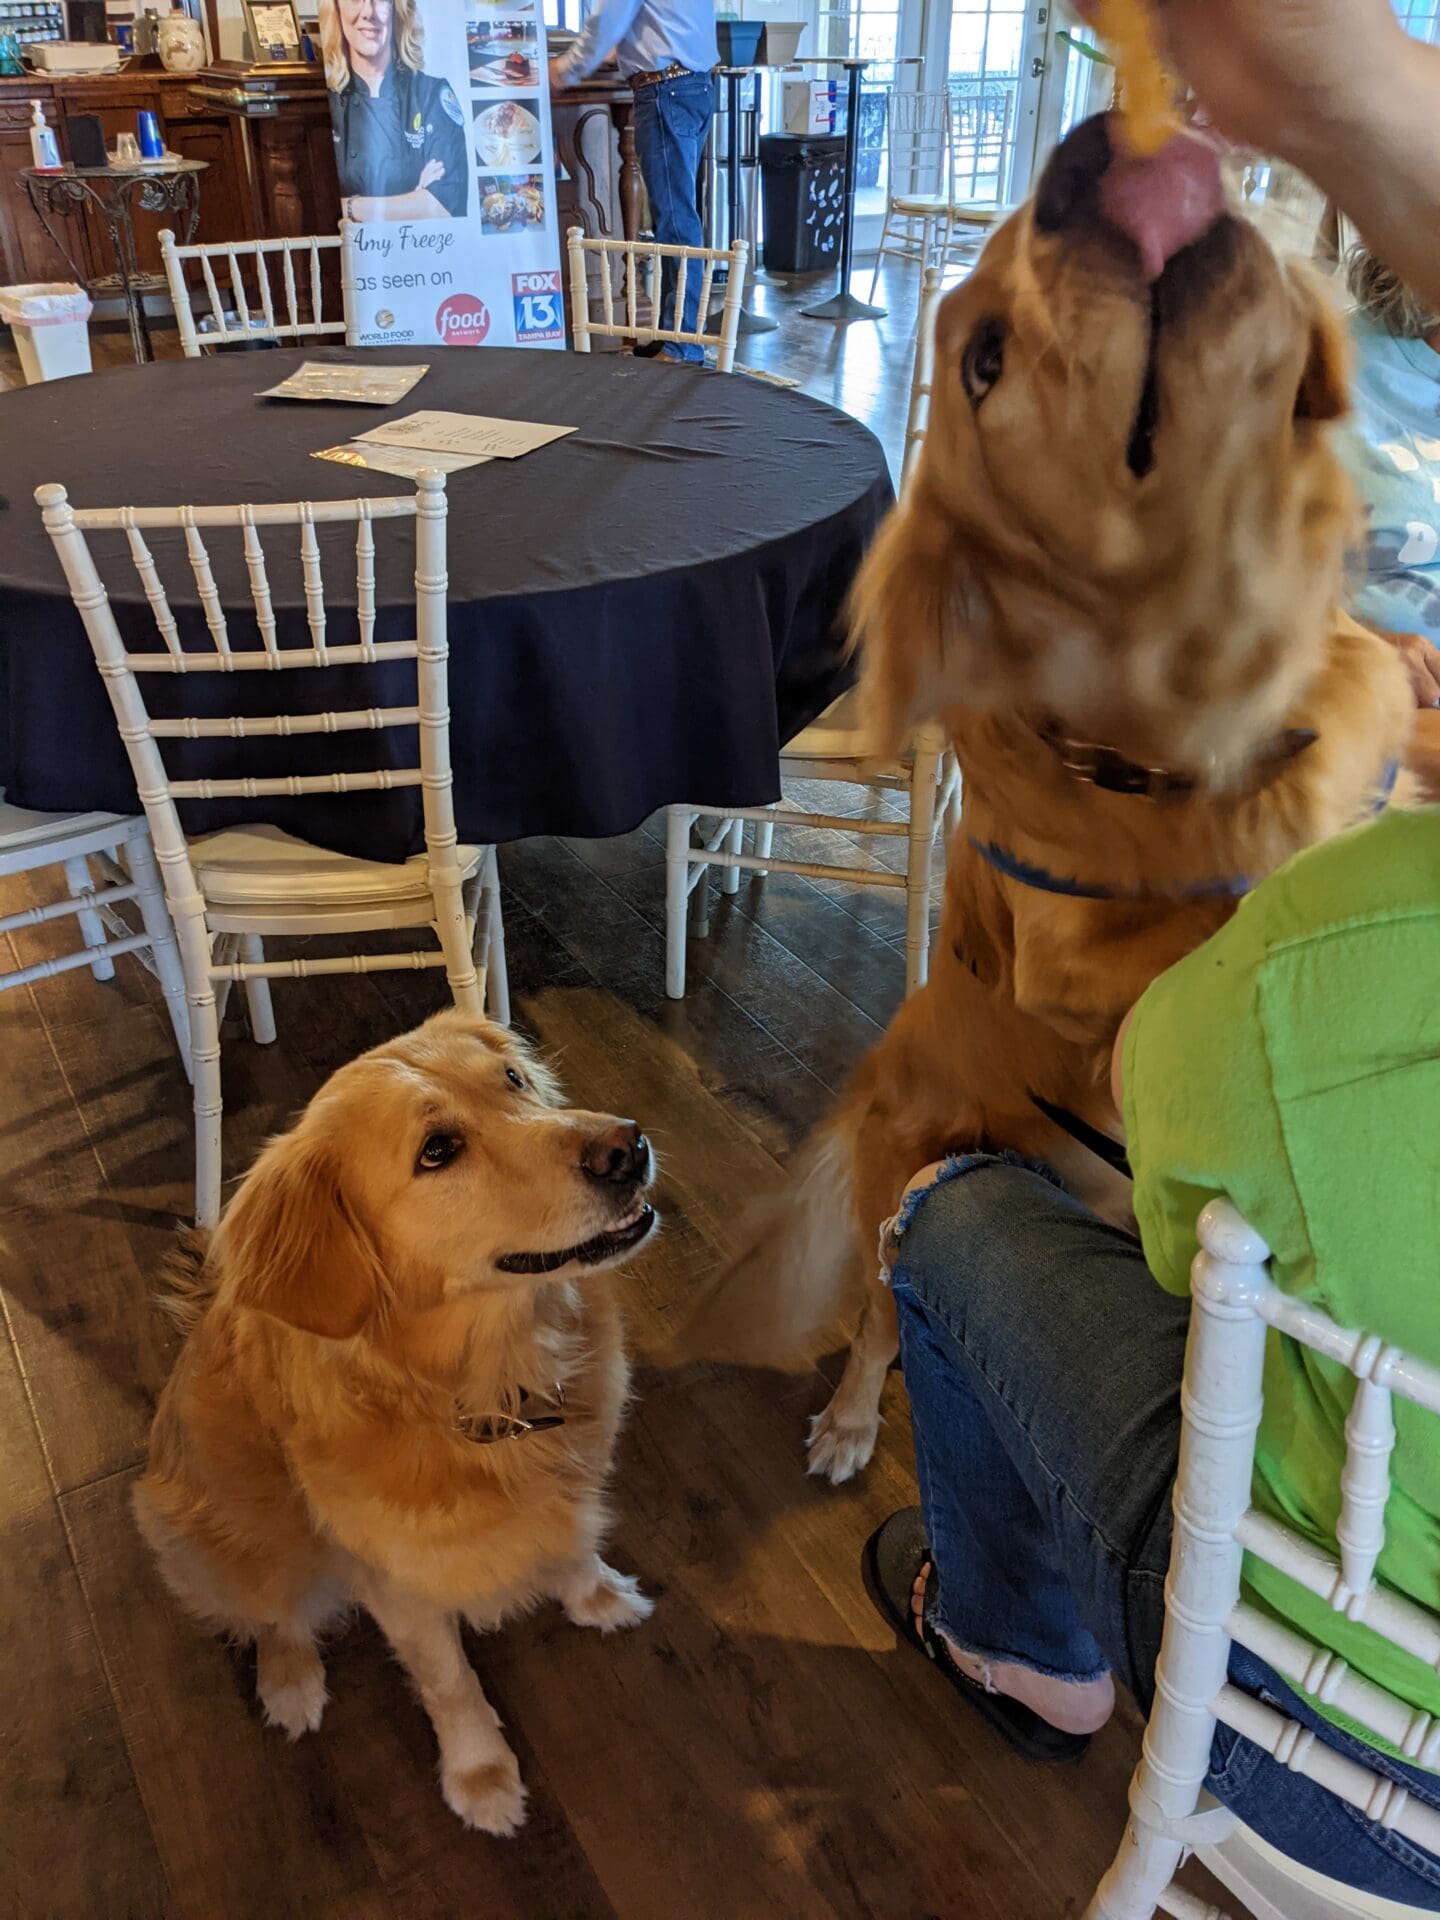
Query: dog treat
{"type": "Point", "coordinates": [1144, 86]}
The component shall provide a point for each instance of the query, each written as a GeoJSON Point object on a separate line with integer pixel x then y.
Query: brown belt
{"type": "Point", "coordinates": [673, 72]}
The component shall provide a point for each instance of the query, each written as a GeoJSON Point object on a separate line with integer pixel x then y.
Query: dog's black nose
{"type": "Point", "coordinates": [620, 1154]}
{"type": "Point", "coordinates": [1069, 188]}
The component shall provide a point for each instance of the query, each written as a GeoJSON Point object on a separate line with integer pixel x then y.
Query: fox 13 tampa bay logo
{"type": "Point", "coordinates": [538, 313]}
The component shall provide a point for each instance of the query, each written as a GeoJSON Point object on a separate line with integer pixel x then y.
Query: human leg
{"type": "Point", "coordinates": [671, 121]}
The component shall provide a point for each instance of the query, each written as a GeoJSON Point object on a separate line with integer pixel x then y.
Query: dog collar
{"type": "Point", "coordinates": [484, 1429]}
{"type": "Point", "coordinates": [1108, 769]}
{"type": "Point", "coordinates": [1043, 881]}
{"type": "Point", "coordinates": [1233, 887]}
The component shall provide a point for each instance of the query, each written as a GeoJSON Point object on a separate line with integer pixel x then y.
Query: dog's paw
{"type": "Point", "coordinates": [614, 1601]}
{"type": "Point", "coordinates": [291, 1684]}
{"type": "Point", "coordinates": [489, 1797]}
{"type": "Point", "coordinates": [840, 1445]}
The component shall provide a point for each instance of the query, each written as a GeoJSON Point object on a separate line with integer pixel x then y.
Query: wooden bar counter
{"type": "Point", "coordinates": [269, 154]}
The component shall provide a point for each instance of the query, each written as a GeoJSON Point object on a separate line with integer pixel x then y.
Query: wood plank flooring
{"type": "Point", "coordinates": [762, 1748]}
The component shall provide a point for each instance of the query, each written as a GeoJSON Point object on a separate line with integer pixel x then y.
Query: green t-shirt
{"type": "Point", "coordinates": [1293, 1063]}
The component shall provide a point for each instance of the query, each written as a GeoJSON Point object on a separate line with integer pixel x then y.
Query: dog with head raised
{"type": "Point", "coordinates": [402, 1382]}
{"type": "Point", "coordinates": [1114, 578]}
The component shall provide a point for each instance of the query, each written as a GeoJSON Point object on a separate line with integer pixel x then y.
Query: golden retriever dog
{"type": "Point", "coordinates": [403, 1382]}
{"type": "Point", "coordinates": [1114, 577]}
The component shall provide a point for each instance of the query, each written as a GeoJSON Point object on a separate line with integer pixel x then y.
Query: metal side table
{"type": "Point", "coordinates": [171, 186]}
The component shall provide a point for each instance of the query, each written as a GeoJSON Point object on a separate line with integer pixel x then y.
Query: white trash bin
{"type": "Point", "coordinates": [48, 320]}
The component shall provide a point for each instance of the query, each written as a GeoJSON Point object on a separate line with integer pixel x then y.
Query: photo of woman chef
{"type": "Point", "coordinates": [400, 137]}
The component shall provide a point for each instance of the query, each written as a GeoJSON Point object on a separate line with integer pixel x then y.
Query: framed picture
{"type": "Point", "coordinates": [274, 29]}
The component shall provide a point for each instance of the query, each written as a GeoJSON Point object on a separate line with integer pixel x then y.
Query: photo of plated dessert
{"type": "Point", "coordinates": [504, 51]}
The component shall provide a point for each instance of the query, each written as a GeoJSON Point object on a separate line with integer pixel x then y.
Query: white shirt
{"type": "Point", "coordinates": [646, 35]}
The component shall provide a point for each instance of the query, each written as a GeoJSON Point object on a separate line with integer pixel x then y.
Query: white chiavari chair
{"type": "Point", "coordinates": [981, 120]}
{"type": "Point", "coordinates": [257, 289]}
{"type": "Point", "coordinates": [834, 747]}
{"type": "Point", "coordinates": [1235, 1307]}
{"type": "Point", "coordinates": [227, 890]}
{"type": "Point", "coordinates": [121, 849]}
{"type": "Point", "coordinates": [635, 257]}
{"type": "Point", "coordinates": [919, 177]}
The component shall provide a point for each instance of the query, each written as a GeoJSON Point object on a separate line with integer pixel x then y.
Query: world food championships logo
{"type": "Point", "coordinates": [462, 320]}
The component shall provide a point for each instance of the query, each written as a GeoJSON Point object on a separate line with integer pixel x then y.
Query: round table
{"type": "Point", "coordinates": [639, 613]}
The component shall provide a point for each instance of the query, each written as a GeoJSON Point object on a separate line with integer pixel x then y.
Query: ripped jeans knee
{"type": "Point", "coordinates": [930, 1179]}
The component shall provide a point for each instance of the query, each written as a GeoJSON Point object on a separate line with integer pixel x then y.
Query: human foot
{"type": "Point", "coordinates": [1070, 1706]}
{"type": "Point", "coordinates": [894, 1555]}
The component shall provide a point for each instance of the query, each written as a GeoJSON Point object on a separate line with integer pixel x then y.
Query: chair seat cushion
{"type": "Point", "coordinates": [262, 866]}
{"type": "Point", "coordinates": [918, 202]}
{"type": "Point", "coordinates": [979, 213]}
{"type": "Point", "coordinates": [836, 734]}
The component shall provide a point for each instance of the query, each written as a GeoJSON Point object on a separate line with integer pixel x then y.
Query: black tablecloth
{"type": "Point", "coordinates": [639, 613]}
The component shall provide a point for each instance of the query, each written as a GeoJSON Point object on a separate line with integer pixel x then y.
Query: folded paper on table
{"type": "Point", "coordinates": [372, 386]}
{"type": "Point", "coordinates": [472, 433]}
{"type": "Point", "coordinates": [408, 462]}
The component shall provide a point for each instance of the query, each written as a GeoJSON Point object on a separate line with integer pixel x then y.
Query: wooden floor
{"type": "Point", "coordinates": [762, 1748]}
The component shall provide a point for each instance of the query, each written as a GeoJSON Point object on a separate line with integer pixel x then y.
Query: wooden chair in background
{"type": "Point", "coordinates": [635, 256]}
{"type": "Point", "coordinates": [919, 180]}
{"type": "Point", "coordinates": [121, 849]}
{"type": "Point", "coordinates": [834, 747]}
{"type": "Point", "coordinates": [248, 269]}
{"type": "Point", "coordinates": [227, 890]}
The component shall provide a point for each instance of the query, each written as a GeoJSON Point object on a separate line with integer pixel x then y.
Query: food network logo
{"type": "Point", "coordinates": [462, 320]}
{"type": "Point", "coordinates": [538, 312]}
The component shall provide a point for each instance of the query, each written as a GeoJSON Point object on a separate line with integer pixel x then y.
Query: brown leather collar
{"type": "Point", "coordinates": [1108, 769]}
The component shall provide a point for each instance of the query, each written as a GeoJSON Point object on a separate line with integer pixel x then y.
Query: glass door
{"type": "Point", "coordinates": [1022, 83]}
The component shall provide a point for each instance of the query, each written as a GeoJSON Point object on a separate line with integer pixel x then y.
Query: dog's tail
{"type": "Point", "coordinates": [187, 1280]}
{"type": "Point", "coordinates": [798, 1269]}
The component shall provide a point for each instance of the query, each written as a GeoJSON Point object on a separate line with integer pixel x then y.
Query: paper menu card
{"type": "Point", "coordinates": [471, 433]}
{"type": "Point", "coordinates": [321, 380]}
{"type": "Point", "coordinates": [408, 462]}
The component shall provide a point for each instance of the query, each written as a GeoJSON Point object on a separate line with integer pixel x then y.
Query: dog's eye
{"type": "Point", "coordinates": [514, 1078]}
{"type": "Point", "coordinates": [984, 359]}
{"type": "Point", "coordinates": [438, 1151]}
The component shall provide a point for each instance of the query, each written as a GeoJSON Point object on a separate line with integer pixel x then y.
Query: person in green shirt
{"type": "Point", "coordinates": [1291, 1063]}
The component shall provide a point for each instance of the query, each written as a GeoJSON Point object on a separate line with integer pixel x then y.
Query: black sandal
{"type": "Point", "coordinates": [893, 1557]}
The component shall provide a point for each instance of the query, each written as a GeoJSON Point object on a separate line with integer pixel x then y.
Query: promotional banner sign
{"type": "Point", "coordinates": [441, 116]}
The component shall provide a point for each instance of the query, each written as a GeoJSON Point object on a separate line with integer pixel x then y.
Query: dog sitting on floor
{"type": "Point", "coordinates": [402, 1383]}
{"type": "Point", "coordinates": [1114, 577]}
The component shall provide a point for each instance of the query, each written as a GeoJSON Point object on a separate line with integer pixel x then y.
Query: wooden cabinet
{"type": "Point", "coordinates": [191, 126]}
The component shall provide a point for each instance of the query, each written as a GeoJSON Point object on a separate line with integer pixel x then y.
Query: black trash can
{"type": "Point", "coordinates": [803, 180]}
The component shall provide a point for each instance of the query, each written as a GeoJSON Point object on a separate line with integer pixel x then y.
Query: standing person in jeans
{"type": "Point", "coordinates": [665, 50]}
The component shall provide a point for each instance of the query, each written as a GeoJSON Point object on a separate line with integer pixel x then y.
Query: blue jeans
{"type": "Point", "coordinates": [672, 120]}
{"type": "Point", "coordinates": [1043, 1365]}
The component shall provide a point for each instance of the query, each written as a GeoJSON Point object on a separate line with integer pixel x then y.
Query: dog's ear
{"type": "Point", "coordinates": [900, 615]}
{"type": "Point", "coordinates": [296, 1248]}
{"type": "Point", "coordinates": [1324, 391]}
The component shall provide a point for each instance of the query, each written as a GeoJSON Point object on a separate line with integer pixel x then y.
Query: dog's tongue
{"type": "Point", "coordinates": [1163, 201]}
